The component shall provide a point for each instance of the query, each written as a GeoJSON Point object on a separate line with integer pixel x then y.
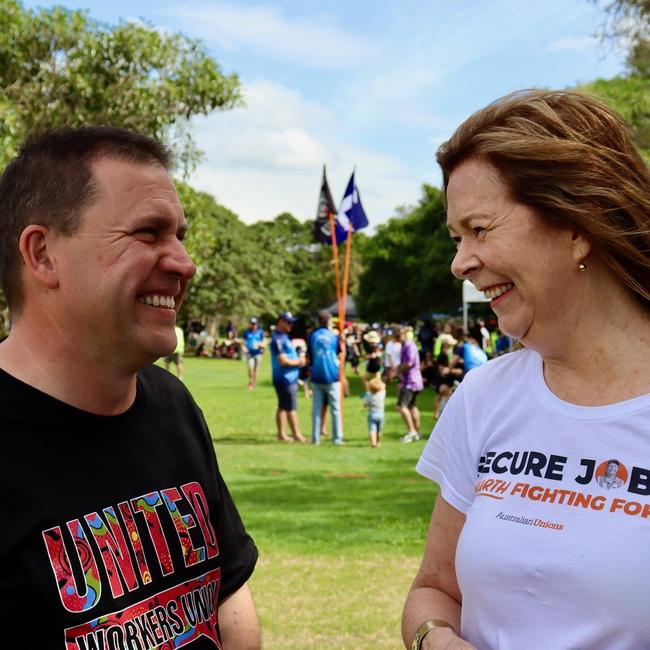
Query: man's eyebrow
{"type": "Point", "coordinates": [159, 222]}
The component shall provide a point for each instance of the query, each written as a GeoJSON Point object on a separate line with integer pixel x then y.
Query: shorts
{"type": "Point", "coordinates": [254, 361]}
{"type": "Point", "coordinates": [174, 357]}
{"type": "Point", "coordinates": [407, 398]}
{"type": "Point", "coordinates": [375, 421]}
{"type": "Point", "coordinates": [287, 396]}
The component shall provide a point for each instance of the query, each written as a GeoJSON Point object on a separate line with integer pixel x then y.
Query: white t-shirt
{"type": "Point", "coordinates": [555, 551]}
{"type": "Point", "coordinates": [392, 354]}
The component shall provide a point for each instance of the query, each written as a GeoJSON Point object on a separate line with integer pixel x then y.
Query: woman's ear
{"type": "Point", "coordinates": [581, 247]}
{"type": "Point", "coordinates": [37, 257]}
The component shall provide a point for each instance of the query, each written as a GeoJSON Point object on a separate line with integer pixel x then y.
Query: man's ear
{"type": "Point", "coordinates": [38, 259]}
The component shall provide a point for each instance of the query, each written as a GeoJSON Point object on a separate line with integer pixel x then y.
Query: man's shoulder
{"type": "Point", "coordinates": [156, 380]}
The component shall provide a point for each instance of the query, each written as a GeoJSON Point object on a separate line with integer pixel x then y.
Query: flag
{"type": "Point", "coordinates": [351, 211]}
{"type": "Point", "coordinates": [325, 208]}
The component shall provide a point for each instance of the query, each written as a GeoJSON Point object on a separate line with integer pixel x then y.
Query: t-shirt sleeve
{"type": "Point", "coordinates": [236, 546]}
{"type": "Point", "coordinates": [276, 345]}
{"type": "Point", "coordinates": [237, 549]}
{"type": "Point", "coordinates": [447, 458]}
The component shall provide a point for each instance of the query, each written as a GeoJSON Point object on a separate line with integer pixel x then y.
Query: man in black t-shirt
{"type": "Point", "coordinates": [119, 531]}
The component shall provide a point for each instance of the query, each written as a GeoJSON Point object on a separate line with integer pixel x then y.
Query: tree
{"type": "Point", "coordinates": [230, 277]}
{"type": "Point", "coordinates": [61, 68]}
{"type": "Point", "coordinates": [628, 22]}
{"type": "Point", "coordinates": [406, 265]}
{"type": "Point", "coordinates": [630, 96]}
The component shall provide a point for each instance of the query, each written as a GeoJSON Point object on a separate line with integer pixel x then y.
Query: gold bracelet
{"type": "Point", "coordinates": [424, 629]}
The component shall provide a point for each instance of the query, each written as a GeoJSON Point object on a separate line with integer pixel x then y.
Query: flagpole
{"type": "Point", "coordinates": [346, 275]}
{"type": "Point", "coordinates": [335, 256]}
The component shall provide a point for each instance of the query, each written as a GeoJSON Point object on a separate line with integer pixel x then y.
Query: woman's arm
{"type": "Point", "coordinates": [434, 593]}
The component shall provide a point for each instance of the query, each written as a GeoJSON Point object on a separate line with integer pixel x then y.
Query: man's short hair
{"type": "Point", "coordinates": [50, 183]}
{"type": "Point", "coordinates": [324, 317]}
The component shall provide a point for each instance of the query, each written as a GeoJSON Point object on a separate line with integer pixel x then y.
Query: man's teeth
{"type": "Point", "coordinates": [159, 301]}
{"type": "Point", "coordinates": [495, 292]}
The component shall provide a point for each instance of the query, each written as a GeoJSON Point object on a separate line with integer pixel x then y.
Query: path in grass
{"type": "Point", "coordinates": [340, 530]}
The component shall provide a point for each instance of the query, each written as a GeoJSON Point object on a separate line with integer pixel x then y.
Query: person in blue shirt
{"type": "Point", "coordinates": [473, 355]}
{"type": "Point", "coordinates": [323, 356]}
{"type": "Point", "coordinates": [254, 342]}
{"type": "Point", "coordinates": [285, 363]}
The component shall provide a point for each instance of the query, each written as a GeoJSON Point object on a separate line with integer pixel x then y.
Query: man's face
{"type": "Point", "coordinates": [124, 273]}
{"type": "Point", "coordinates": [284, 326]}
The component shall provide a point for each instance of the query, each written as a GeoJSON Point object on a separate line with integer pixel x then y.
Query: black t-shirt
{"type": "Point", "coordinates": [118, 531]}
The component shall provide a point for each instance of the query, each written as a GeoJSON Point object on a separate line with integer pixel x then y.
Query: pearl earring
{"type": "Point", "coordinates": [582, 266]}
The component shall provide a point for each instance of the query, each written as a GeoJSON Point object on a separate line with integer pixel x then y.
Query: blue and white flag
{"type": "Point", "coordinates": [351, 211]}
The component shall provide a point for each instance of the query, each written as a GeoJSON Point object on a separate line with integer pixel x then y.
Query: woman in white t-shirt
{"type": "Point", "coordinates": [548, 202]}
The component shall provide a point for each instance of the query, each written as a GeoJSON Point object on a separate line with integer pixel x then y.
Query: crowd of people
{"type": "Point", "coordinates": [415, 356]}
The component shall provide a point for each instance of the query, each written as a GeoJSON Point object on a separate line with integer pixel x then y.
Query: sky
{"type": "Point", "coordinates": [371, 84]}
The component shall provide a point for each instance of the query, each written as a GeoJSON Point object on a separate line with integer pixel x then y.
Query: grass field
{"type": "Point", "coordinates": [340, 530]}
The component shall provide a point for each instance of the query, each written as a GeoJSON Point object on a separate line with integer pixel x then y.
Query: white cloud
{"type": "Point", "coordinates": [265, 29]}
{"type": "Point", "coordinates": [267, 158]}
{"type": "Point", "coordinates": [572, 44]}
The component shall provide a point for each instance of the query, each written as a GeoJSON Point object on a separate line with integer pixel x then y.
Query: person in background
{"type": "Point", "coordinates": [372, 355]}
{"type": "Point", "coordinates": [503, 343]}
{"type": "Point", "coordinates": [176, 357]}
{"type": "Point", "coordinates": [480, 334]}
{"type": "Point", "coordinates": [323, 359]}
{"type": "Point", "coordinates": [375, 401]}
{"type": "Point", "coordinates": [447, 329]}
{"type": "Point", "coordinates": [548, 202]}
{"type": "Point", "coordinates": [428, 369]}
{"type": "Point", "coordinates": [411, 386]}
{"type": "Point", "coordinates": [285, 364]}
{"type": "Point", "coordinates": [426, 337]}
{"type": "Point", "coordinates": [392, 355]}
{"type": "Point", "coordinates": [353, 347]}
{"type": "Point", "coordinates": [255, 343]}
{"type": "Point", "coordinates": [118, 509]}
{"type": "Point", "coordinates": [473, 355]}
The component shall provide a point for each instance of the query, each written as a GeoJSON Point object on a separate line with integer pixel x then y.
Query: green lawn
{"type": "Point", "coordinates": [340, 530]}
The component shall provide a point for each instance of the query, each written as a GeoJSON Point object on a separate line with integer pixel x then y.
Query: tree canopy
{"type": "Point", "coordinates": [406, 264]}
{"type": "Point", "coordinates": [62, 68]}
{"type": "Point", "coordinates": [259, 269]}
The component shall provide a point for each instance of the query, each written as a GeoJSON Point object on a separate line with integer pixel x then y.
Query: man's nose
{"type": "Point", "coordinates": [178, 261]}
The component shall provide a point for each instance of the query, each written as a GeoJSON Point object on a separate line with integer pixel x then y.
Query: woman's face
{"type": "Point", "coordinates": [524, 265]}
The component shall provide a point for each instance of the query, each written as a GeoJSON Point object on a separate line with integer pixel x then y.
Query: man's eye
{"type": "Point", "coordinates": [456, 241]}
{"type": "Point", "coordinates": [479, 231]}
{"type": "Point", "coordinates": [148, 234]}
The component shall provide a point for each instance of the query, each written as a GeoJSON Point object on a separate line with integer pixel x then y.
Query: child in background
{"type": "Point", "coordinates": [444, 393]}
{"type": "Point", "coordinates": [374, 401]}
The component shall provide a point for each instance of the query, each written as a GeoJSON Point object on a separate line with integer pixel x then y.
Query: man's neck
{"type": "Point", "coordinates": [65, 375]}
